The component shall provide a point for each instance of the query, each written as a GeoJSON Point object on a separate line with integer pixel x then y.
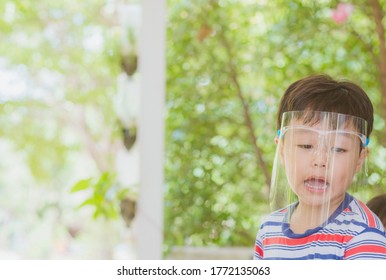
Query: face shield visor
{"type": "Point", "coordinates": [319, 156]}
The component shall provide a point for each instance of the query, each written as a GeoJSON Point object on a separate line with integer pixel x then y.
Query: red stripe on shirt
{"type": "Point", "coordinates": [365, 249]}
{"type": "Point", "coordinates": [369, 214]}
{"type": "Point", "coordinates": [301, 241]}
{"type": "Point", "coordinates": [259, 251]}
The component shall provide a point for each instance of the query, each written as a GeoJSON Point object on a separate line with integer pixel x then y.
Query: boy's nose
{"type": "Point", "coordinates": [319, 164]}
{"type": "Point", "coordinates": [320, 156]}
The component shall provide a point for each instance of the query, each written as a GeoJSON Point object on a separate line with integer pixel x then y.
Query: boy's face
{"type": "Point", "coordinates": [320, 163]}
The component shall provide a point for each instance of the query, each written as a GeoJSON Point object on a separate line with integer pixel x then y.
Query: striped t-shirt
{"type": "Point", "coordinates": [352, 232]}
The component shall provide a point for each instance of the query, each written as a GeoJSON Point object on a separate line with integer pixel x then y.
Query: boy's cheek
{"type": "Point", "coordinates": [364, 153]}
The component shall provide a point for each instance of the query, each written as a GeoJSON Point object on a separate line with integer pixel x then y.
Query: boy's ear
{"type": "Point", "coordinates": [363, 155]}
{"type": "Point", "coordinates": [281, 152]}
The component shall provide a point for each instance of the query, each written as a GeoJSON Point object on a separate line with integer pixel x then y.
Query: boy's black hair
{"type": "Point", "coordinates": [322, 93]}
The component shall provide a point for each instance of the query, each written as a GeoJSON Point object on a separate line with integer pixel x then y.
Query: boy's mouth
{"type": "Point", "coordinates": [316, 184]}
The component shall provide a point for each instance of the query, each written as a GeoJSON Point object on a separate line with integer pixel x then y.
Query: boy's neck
{"type": "Point", "coordinates": [306, 217]}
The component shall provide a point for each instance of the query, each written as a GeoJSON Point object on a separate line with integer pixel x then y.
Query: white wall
{"type": "Point", "coordinates": [149, 227]}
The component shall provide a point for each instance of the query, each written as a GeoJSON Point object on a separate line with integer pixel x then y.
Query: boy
{"type": "Point", "coordinates": [324, 126]}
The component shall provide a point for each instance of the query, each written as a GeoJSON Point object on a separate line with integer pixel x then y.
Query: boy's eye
{"type": "Point", "coordinates": [338, 150]}
{"type": "Point", "coordinates": [305, 146]}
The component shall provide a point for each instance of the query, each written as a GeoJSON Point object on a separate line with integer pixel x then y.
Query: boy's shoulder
{"type": "Point", "coordinates": [359, 216]}
{"type": "Point", "coordinates": [274, 219]}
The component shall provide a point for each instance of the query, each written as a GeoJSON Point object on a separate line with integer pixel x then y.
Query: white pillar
{"type": "Point", "coordinates": [149, 228]}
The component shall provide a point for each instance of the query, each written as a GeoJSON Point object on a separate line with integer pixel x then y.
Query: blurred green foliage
{"type": "Point", "coordinates": [63, 59]}
{"type": "Point", "coordinates": [104, 195]}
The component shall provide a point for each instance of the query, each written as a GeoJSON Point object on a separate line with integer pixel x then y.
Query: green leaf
{"type": "Point", "coordinates": [88, 202]}
{"type": "Point", "coordinates": [82, 185]}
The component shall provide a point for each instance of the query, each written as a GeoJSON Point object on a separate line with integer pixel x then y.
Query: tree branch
{"type": "Point", "coordinates": [76, 118]}
{"type": "Point", "coordinates": [247, 114]}
{"type": "Point", "coordinates": [378, 16]}
{"type": "Point", "coordinates": [367, 46]}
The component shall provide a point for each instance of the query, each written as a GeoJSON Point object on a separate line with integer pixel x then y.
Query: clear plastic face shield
{"type": "Point", "coordinates": [319, 156]}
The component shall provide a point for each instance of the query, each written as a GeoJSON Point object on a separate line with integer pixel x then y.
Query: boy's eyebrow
{"type": "Point", "coordinates": [301, 129]}
{"type": "Point", "coordinates": [305, 131]}
{"type": "Point", "coordinates": [346, 134]}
